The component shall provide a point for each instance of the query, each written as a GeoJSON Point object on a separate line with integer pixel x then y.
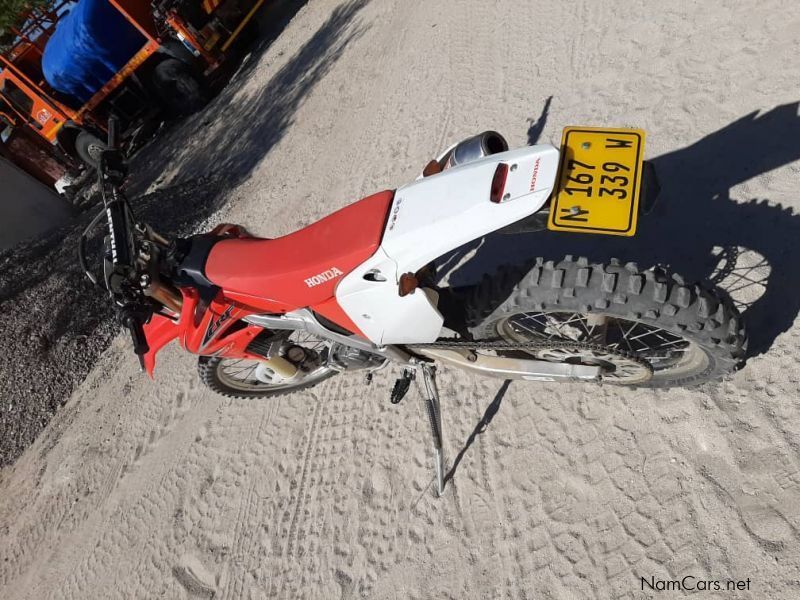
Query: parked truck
{"type": "Point", "coordinates": [69, 65]}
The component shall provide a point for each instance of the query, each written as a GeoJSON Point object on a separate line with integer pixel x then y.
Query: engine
{"type": "Point", "coordinates": [351, 358]}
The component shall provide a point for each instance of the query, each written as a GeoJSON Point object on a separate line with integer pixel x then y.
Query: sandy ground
{"type": "Point", "coordinates": [150, 489]}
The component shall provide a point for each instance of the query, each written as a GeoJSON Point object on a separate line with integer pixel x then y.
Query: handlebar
{"type": "Point", "coordinates": [119, 227]}
{"type": "Point", "coordinates": [122, 278]}
{"type": "Point", "coordinates": [113, 126]}
{"type": "Point", "coordinates": [110, 172]}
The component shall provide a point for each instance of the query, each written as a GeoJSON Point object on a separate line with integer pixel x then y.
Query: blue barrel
{"type": "Point", "coordinates": [89, 46]}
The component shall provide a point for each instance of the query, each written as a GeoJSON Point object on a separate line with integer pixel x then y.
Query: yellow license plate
{"type": "Point", "coordinates": [598, 181]}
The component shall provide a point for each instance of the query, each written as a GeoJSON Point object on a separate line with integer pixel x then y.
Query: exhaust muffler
{"type": "Point", "coordinates": [474, 148]}
{"type": "Point", "coordinates": [467, 151]}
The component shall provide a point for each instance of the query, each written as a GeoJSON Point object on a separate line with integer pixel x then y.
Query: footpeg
{"type": "Point", "coordinates": [401, 386]}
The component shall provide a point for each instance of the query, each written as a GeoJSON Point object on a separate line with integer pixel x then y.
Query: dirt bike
{"type": "Point", "coordinates": [358, 289]}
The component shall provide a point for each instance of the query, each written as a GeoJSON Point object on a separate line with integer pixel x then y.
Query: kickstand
{"type": "Point", "coordinates": [435, 419]}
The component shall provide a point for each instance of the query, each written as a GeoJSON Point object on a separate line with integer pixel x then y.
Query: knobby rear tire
{"type": "Point", "coordinates": [653, 297]}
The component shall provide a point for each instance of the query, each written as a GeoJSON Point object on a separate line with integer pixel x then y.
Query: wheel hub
{"type": "Point", "coordinates": [266, 374]}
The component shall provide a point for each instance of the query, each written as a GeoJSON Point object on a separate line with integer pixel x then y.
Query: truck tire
{"type": "Point", "coordinates": [179, 89]}
{"type": "Point", "coordinates": [88, 147]}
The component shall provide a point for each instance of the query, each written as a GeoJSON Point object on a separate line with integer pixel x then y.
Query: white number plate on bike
{"type": "Point", "coordinates": [599, 177]}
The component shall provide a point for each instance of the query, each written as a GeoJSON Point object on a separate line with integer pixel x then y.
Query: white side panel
{"type": "Point", "coordinates": [380, 312]}
{"type": "Point", "coordinates": [436, 214]}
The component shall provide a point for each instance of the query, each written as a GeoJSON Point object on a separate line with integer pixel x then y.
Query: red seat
{"type": "Point", "coordinates": [301, 269]}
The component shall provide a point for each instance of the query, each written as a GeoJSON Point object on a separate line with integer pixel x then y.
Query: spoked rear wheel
{"type": "Point", "coordinates": [658, 351]}
{"type": "Point", "coordinates": [245, 378]}
{"type": "Point", "coordinates": [625, 320]}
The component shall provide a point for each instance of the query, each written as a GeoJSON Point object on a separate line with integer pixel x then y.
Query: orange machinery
{"type": "Point", "coordinates": [199, 31]}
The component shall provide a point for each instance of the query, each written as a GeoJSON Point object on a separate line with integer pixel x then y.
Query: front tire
{"type": "Point", "coordinates": [215, 373]}
{"type": "Point", "coordinates": [688, 334]}
{"type": "Point", "coordinates": [246, 378]}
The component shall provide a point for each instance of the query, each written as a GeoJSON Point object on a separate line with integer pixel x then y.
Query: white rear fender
{"type": "Point", "coordinates": [434, 215]}
{"type": "Point", "coordinates": [429, 218]}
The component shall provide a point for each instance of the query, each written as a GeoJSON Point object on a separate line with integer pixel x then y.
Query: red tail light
{"type": "Point", "coordinates": [499, 183]}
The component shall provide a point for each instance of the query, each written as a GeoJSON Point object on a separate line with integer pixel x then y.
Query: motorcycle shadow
{"type": "Point", "coordinates": [748, 248]}
{"type": "Point", "coordinates": [480, 428]}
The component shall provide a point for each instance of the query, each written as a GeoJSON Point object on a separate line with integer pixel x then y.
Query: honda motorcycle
{"type": "Point", "coordinates": [358, 289]}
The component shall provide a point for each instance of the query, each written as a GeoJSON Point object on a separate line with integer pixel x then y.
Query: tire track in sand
{"type": "Point", "coordinates": [234, 587]}
{"type": "Point", "coordinates": [294, 511]}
